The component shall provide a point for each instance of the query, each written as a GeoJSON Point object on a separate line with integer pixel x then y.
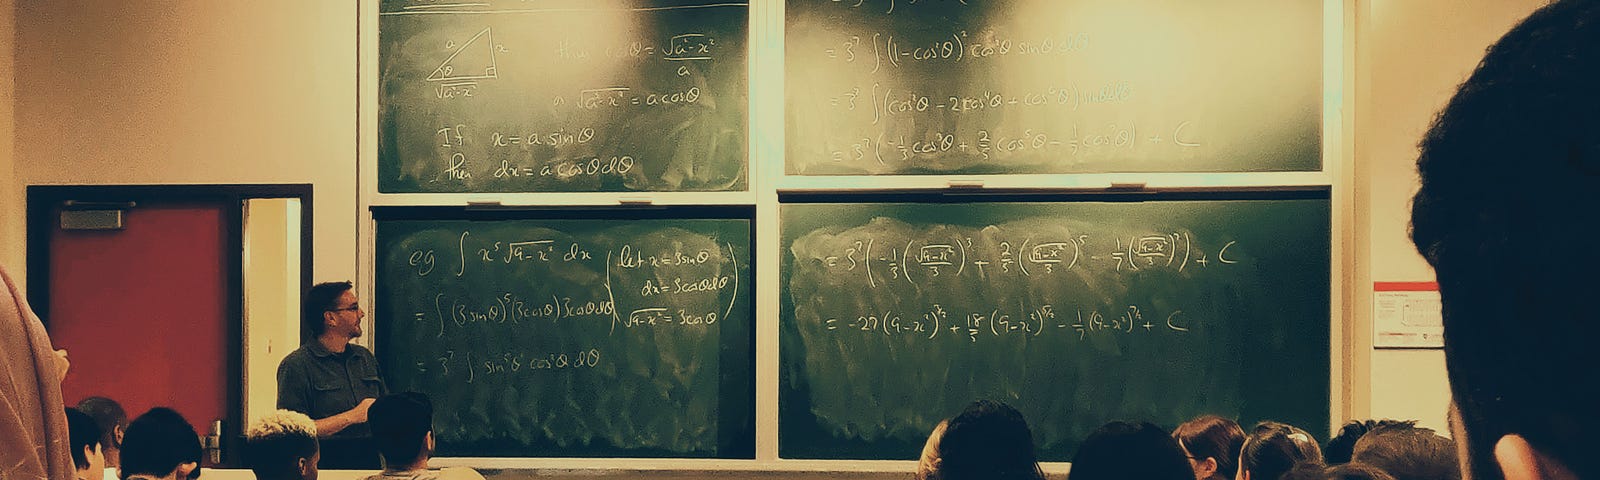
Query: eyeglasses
{"type": "Point", "coordinates": [346, 309]}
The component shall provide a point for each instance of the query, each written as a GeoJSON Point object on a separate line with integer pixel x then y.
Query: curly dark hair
{"type": "Point", "coordinates": [1510, 174]}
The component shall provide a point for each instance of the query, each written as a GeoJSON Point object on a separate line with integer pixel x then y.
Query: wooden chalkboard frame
{"type": "Point", "coordinates": [1351, 357]}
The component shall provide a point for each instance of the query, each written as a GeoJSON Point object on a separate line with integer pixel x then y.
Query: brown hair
{"type": "Point", "coordinates": [1214, 437]}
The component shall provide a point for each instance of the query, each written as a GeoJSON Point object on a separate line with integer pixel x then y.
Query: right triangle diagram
{"type": "Point", "coordinates": [472, 61]}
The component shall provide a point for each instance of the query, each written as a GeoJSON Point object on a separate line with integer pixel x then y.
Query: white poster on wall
{"type": "Point", "coordinates": [1407, 315]}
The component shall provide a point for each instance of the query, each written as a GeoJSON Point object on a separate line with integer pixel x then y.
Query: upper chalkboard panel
{"type": "Point", "coordinates": [582, 335]}
{"type": "Point", "coordinates": [895, 315]}
{"type": "Point", "coordinates": [898, 87]}
{"type": "Point", "coordinates": [562, 96]}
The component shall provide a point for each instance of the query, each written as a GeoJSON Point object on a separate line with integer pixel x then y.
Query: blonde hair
{"type": "Point", "coordinates": [928, 465]}
{"type": "Point", "coordinates": [281, 423]}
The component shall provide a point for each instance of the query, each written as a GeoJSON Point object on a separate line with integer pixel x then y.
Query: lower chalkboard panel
{"type": "Point", "coordinates": [895, 315]}
{"type": "Point", "coordinates": [618, 335]}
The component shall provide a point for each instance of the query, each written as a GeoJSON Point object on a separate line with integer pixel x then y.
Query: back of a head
{"type": "Point", "coordinates": [400, 424]}
{"type": "Point", "coordinates": [108, 415]}
{"type": "Point", "coordinates": [1355, 471]}
{"type": "Point", "coordinates": [1512, 162]}
{"type": "Point", "coordinates": [1310, 450]}
{"type": "Point", "coordinates": [988, 440]}
{"type": "Point", "coordinates": [1409, 453]}
{"type": "Point", "coordinates": [158, 442]}
{"type": "Point", "coordinates": [82, 433]}
{"type": "Point", "coordinates": [928, 463]}
{"type": "Point", "coordinates": [1133, 451]}
{"type": "Point", "coordinates": [1214, 437]}
{"type": "Point", "coordinates": [277, 442]}
{"type": "Point", "coordinates": [1340, 446]}
{"type": "Point", "coordinates": [1271, 450]}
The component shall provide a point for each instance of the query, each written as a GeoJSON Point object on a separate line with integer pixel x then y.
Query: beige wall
{"type": "Point", "coordinates": [1410, 55]}
{"type": "Point", "coordinates": [11, 211]}
{"type": "Point", "coordinates": [271, 295]}
{"type": "Point", "coordinates": [194, 91]}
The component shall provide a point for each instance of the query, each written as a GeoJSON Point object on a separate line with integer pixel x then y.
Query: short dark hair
{"type": "Point", "coordinates": [82, 433]}
{"type": "Point", "coordinates": [1305, 471]}
{"type": "Point", "coordinates": [1123, 450]}
{"type": "Point", "coordinates": [1408, 452]}
{"type": "Point", "coordinates": [1511, 163]}
{"type": "Point", "coordinates": [319, 299]}
{"type": "Point", "coordinates": [275, 443]}
{"type": "Point", "coordinates": [1211, 436]}
{"type": "Point", "coordinates": [108, 415]}
{"type": "Point", "coordinates": [1273, 448]}
{"type": "Point", "coordinates": [1355, 471]}
{"type": "Point", "coordinates": [1338, 449]}
{"type": "Point", "coordinates": [157, 442]}
{"type": "Point", "coordinates": [988, 440]}
{"type": "Point", "coordinates": [400, 422]}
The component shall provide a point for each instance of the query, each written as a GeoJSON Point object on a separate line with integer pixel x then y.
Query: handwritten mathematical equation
{"type": "Point", "coordinates": [956, 47]}
{"type": "Point", "coordinates": [510, 308]}
{"type": "Point", "coordinates": [470, 250]}
{"type": "Point", "coordinates": [1025, 322]}
{"type": "Point", "coordinates": [889, 6]}
{"type": "Point", "coordinates": [916, 261]}
{"type": "Point", "coordinates": [454, 139]}
{"type": "Point", "coordinates": [987, 144]}
{"type": "Point", "coordinates": [677, 48]}
{"type": "Point", "coordinates": [471, 367]}
{"type": "Point", "coordinates": [709, 272]}
{"type": "Point", "coordinates": [886, 102]}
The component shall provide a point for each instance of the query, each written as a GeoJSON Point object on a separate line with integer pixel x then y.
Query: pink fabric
{"type": "Point", "coordinates": [33, 426]}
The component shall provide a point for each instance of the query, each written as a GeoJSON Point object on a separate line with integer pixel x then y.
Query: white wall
{"type": "Point", "coordinates": [1411, 54]}
{"type": "Point", "coordinates": [194, 91]}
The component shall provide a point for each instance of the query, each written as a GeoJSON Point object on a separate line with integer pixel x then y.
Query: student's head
{"type": "Point", "coordinates": [1272, 449]}
{"type": "Point", "coordinates": [161, 444]}
{"type": "Point", "coordinates": [988, 440]}
{"type": "Point", "coordinates": [1339, 447]}
{"type": "Point", "coordinates": [1355, 471]}
{"type": "Point", "coordinates": [1310, 451]}
{"type": "Point", "coordinates": [1123, 450]}
{"type": "Point", "coordinates": [331, 304]}
{"type": "Point", "coordinates": [84, 440]}
{"type": "Point", "coordinates": [113, 423]}
{"type": "Point", "coordinates": [928, 463]}
{"type": "Point", "coordinates": [1347, 471]}
{"type": "Point", "coordinates": [1408, 452]}
{"type": "Point", "coordinates": [283, 446]}
{"type": "Point", "coordinates": [1211, 444]}
{"type": "Point", "coordinates": [402, 426]}
{"type": "Point", "coordinates": [1509, 169]}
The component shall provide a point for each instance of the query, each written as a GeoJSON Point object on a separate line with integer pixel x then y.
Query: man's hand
{"type": "Point", "coordinates": [342, 420]}
{"type": "Point", "coordinates": [359, 414]}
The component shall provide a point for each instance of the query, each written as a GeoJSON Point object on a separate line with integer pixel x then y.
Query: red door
{"type": "Point", "coordinates": [143, 310]}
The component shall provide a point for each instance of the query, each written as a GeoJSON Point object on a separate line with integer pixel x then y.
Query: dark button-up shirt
{"type": "Point", "coordinates": [321, 384]}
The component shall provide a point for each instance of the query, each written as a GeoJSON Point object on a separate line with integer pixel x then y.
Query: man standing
{"type": "Point", "coordinates": [332, 380]}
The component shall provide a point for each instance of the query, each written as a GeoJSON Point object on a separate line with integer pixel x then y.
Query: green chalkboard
{"type": "Point", "coordinates": [572, 337]}
{"type": "Point", "coordinates": [893, 87]}
{"type": "Point", "coordinates": [562, 96]}
{"type": "Point", "coordinates": [896, 315]}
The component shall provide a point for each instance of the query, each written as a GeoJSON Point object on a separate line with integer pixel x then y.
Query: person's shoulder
{"type": "Point", "coordinates": [459, 473]}
{"type": "Point", "coordinates": [299, 355]}
{"type": "Point", "coordinates": [359, 350]}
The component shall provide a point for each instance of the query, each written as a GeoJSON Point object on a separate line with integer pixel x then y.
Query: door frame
{"type": "Point", "coordinates": [43, 200]}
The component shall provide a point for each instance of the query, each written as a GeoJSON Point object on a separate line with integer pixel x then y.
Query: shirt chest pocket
{"type": "Point", "coordinates": [329, 397]}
